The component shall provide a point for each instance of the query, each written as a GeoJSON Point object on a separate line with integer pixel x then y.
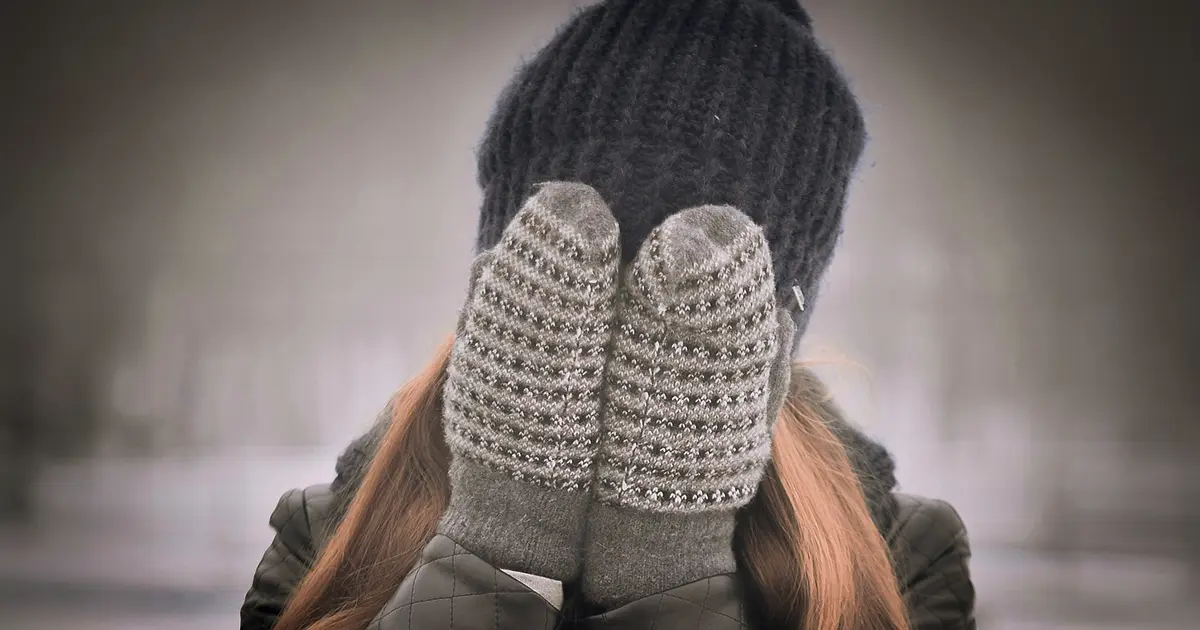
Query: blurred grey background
{"type": "Point", "coordinates": [231, 229]}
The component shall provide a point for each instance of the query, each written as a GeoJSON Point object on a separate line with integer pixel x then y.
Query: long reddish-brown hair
{"type": "Point", "coordinates": [807, 547]}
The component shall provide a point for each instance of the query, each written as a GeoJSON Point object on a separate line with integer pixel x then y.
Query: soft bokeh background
{"type": "Point", "coordinates": [231, 229]}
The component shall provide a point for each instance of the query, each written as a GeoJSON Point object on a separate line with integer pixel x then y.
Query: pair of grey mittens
{"type": "Point", "coordinates": [605, 421]}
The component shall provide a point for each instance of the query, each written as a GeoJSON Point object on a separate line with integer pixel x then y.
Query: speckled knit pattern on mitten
{"type": "Point", "coordinates": [522, 396]}
{"type": "Point", "coordinates": [691, 391]}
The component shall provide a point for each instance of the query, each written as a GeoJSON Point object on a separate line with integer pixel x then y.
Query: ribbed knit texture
{"type": "Point", "coordinates": [522, 395]}
{"type": "Point", "coordinates": [669, 104]}
{"type": "Point", "coordinates": [698, 353]}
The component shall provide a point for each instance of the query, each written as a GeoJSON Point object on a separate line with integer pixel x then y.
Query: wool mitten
{"type": "Point", "coordinates": [522, 395]}
{"type": "Point", "coordinates": [694, 382]}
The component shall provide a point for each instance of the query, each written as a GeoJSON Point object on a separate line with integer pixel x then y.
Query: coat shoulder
{"type": "Point", "coordinates": [923, 521]}
{"type": "Point", "coordinates": [299, 519]}
{"type": "Point", "coordinates": [302, 517]}
{"type": "Point", "coordinates": [931, 553]}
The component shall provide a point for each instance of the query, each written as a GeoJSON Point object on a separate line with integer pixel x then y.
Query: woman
{"type": "Point", "coordinates": [617, 437]}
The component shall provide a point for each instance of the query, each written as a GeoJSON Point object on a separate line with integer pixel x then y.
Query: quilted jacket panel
{"type": "Point", "coordinates": [451, 588]}
{"type": "Point", "coordinates": [297, 517]}
{"type": "Point", "coordinates": [930, 551]}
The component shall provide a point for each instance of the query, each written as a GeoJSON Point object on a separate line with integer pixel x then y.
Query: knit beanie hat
{"type": "Point", "coordinates": [663, 105]}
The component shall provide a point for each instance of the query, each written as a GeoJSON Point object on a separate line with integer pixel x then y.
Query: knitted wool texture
{"type": "Point", "coordinates": [522, 395]}
{"type": "Point", "coordinates": [686, 425]}
{"type": "Point", "coordinates": [693, 385]}
{"type": "Point", "coordinates": [663, 105]}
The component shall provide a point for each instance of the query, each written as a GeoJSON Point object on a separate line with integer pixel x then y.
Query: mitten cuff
{"type": "Point", "coordinates": [510, 523]}
{"type": "Point", "coordinates": [633, 554]}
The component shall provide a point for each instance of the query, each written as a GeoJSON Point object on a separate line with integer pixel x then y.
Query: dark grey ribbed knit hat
{"type": "Point", "coordinates": [662, 105]}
